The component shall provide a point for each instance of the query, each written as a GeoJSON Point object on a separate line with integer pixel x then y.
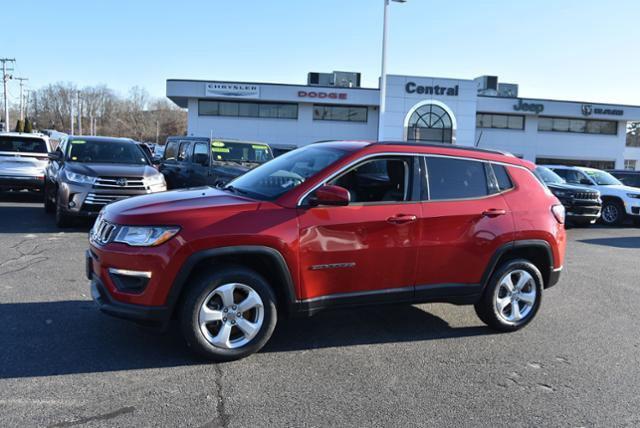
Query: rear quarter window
{"type": "Point", "coordinates": [502, 176]}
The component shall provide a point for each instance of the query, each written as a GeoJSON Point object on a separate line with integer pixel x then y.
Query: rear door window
{"type": "Point", "coordinates": [183, 151]}
{"type": "Point", "coordinates": [451, 178]}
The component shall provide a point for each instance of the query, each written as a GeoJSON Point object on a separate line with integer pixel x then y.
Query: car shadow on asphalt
{"type": "Point", "coordinates": [30, 218]}
{"type": "Point", "coordinates": [617, 242]}
{"type": "Point", "coordinates": [71, 337]}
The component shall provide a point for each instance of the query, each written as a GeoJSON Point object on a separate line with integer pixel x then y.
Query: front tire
{"type": "Point", "coordinates": [49, 202]}
{"type": "Point", "coordinates": [228, 314]}
{"type": "Point", "coordinates": [62, 220]}
{"type": "Point", "coordinates": [613, 213]}
{"type": "Point", "coordinates": [512, 297]}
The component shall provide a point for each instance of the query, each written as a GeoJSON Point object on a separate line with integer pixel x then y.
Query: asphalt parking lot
{"type": "Point", "coordinates": [62, 363]}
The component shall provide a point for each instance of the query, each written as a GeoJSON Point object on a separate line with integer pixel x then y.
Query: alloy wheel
{"type": "Point", "coordinates": [231, 315]}
{"type": "Point", "coordinates": [515, 296]}
{"type": "Point", "coordinates": [610, 213]}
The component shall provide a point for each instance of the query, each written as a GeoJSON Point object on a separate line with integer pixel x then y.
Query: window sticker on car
{"type": "Point", "coordinates": [217, 144]}
{"type": "Point", "coordinates": [220, 149]}
{"type": "Point", "coordinates": [78, 141]}
{"type": "Point", "coordinates": [259, 147]}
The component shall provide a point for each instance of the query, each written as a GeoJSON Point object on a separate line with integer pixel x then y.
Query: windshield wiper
{"type": "Point", "coordinates": [233, 189]}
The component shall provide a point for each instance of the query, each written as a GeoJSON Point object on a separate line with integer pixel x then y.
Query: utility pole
{"type": "Point", "coordinates": [21, 80]}
{"type": "Point", "coordinates": [157, 131]}
{"type": "Point", "coordinates": [71, 117]}
{"type": "Point", "coordinates": [5, 79]}
{"type": "Point", "coordinates": [79, 115]}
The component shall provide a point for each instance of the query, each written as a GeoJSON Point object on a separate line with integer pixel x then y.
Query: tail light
{"type": "Point", "coordinates": [558, 213]}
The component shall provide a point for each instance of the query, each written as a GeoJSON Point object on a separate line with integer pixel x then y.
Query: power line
{"type": "Point", "coordinates": [5, 79]}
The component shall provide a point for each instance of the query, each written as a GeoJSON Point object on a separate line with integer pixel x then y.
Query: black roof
{"type": "Point", "coordinates": [100, 138]}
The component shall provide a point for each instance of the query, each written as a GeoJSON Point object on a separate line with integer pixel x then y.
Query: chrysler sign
{"type": "Point", "coordinates": [236, 90]}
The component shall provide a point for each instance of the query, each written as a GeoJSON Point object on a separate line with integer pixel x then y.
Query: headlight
{"type": "Point", "coordinates": [79, 178]}
{"type": "Point", "coordinates": [560, 193]}
{"type": "Point", "coordinates": [634, 195]}
{"type": "Point", "coordinates": [154, 180]}
{"type": "Point", "coordinates": [145, 236]}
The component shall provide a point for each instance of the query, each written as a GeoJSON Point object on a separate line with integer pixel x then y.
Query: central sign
{"type": "Point", "coordinates": [235, 90]}
{"type": "Point", "coordinates": [414, 88]}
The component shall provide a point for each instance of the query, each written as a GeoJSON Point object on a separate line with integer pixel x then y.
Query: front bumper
{"type": "Point", "coordinates": [155, 315]}
{"type": "Point", "coordinates": [87, 201]}
{"type": "Point", "coordinates": [20, 182]}
{"type": "Point", "coordinates": [580, 210]}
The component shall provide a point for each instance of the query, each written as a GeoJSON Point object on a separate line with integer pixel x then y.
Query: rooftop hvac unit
{"type": "Point", "coordinates": [346, 79]}
{"type": "Point", "coordinates": [320, 79]}
{"type": "Point", "coordinates": [509, 90]}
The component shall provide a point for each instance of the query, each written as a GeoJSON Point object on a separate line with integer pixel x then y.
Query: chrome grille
{"type": "Point", "coordinates": [101, 199]}
{"type": "Point", "coordinates": [103, 231]}
{"type": "Point", "coordinates": [133, 183]}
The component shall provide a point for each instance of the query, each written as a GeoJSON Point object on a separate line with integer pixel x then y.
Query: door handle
{"type": "Point", "coordinates": [401, 219]}
{"type": "Point", "coordinates": [493, 212]}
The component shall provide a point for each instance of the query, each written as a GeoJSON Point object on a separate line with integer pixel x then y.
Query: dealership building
{"type": "Point", "coordinates": [479, 112]}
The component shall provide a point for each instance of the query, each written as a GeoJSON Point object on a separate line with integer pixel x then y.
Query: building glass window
{"type": "Point", "coordinates": [248, 109]}
{"type": "Point", "coordinates": [430, 123]}
{"type": "Point", "coordinates": [499, 121]}
{"type": "Point", "coordinates": [579, 126]}
{"type": "Point", "coordinates": [630, 164]}
{"type": "Point", "coordinates": [340, 113]}
{"type": "Point", "coordinates": [589, 163]}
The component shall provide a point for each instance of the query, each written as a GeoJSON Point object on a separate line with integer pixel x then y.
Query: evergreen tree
{"type": "Point", "coordinates": [20, 126]}
{"type": "Point", "coordinates": [28, 127]}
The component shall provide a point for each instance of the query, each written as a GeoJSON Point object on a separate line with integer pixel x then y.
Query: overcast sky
{"type": "Point", "coordinates": [564, 49]}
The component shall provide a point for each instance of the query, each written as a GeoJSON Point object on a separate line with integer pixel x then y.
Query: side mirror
{"type": "Point", "coordinates": [586, 182]}
{"type": "Point", "coordinates": [55, 156]}
{"type": "Point", "coordinates": [201, 159]}
{"type": "Point", "coordinates": [330, 195]}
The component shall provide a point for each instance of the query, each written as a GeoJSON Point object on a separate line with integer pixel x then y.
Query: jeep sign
{"type": "Point", "coordinates": [532, 107]}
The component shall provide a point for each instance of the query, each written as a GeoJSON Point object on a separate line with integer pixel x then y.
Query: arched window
{"type": "Point", "coordinates": [430, 123]}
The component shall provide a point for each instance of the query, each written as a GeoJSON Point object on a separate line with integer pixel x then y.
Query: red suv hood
{"type": "Point", "coordinates": [176, 207]}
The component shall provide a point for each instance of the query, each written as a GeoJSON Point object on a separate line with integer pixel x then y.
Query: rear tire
{"type": "Point", "coordinates": [613, 213]}
{"type": "Point", "coordinates": [512, 297]}
{"type": "Point", "coordinates": [228, 314]}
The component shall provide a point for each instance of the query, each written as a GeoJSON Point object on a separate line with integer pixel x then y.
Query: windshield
{"type": "Point", "coordinates": [22, 145]}
{"type": "Point", "coordinates": [240, 152]}
{"type": "Point", "coordinates": [548, 176]}
{"type": "Point", "coordinates": [602, 178]}
{"type": "Point", "coordinates": [105, 151]}
{"type": "Point", "coordinates": [275, 178]}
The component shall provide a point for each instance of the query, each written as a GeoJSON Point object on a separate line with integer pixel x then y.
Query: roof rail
{"type": "Point", "coordinates": [445, 146]}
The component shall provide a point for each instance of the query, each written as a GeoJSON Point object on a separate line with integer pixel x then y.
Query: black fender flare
{"type": "Point", "coordinates": [514, 245]}
{"type": "Point", "coordinates": [187, 268]}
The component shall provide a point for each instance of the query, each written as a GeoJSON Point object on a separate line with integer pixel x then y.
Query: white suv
{"type": "Point", "coordinates": [23, 159]}
{"type": "Point", "coordinates": [618, 200]}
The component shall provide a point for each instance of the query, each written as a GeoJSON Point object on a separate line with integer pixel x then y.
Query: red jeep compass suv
{"type": "Point", "coordinates": [331, 225]}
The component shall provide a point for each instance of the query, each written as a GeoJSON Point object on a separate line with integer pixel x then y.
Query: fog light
{"type": "Point", "coordinates": [72, 204]}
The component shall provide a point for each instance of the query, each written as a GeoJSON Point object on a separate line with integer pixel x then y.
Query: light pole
{"type": "Point", "coordinates": [383, 71]}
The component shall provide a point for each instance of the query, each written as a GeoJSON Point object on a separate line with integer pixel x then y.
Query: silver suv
{"type": "Point", "coordinates": [86, 173]}
{"type": "Point", "coordinates": [23, 159]}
